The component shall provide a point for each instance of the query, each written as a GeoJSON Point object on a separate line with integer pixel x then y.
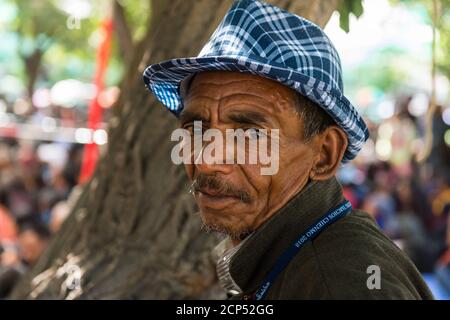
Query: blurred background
{"type": "Point", "coordinates": [62, 64]}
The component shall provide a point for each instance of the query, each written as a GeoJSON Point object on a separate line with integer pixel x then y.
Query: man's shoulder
{"type": "Point", "coordinates": [349, 256]}
{"type": "Point", "coordinates": [357, 229]}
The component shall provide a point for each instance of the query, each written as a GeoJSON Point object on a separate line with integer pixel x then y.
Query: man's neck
{"type": "Point", "coordinates": [260, 251]}
{"type": "Point", "coordinates": [267, 217]}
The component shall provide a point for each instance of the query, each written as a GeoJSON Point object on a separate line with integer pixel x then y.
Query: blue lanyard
{"type": "Point", "coordinates": [331, 216]}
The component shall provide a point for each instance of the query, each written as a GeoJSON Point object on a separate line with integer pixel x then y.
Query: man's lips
{"type": "Point", "coordinates": [215, 200]}
{"type": "Point", "coordinates": [215, 194]}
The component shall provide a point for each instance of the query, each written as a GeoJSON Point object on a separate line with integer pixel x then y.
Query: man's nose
{"type": "Point", "coordinates": [212, 159]}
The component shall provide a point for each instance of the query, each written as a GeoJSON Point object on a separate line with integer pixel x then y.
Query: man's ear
{"type": "Point", "coordinates": [330, 147]}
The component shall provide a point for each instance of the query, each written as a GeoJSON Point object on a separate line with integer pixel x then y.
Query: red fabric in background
{"type": "Point", "coordinates": [8, 228]}
{"type": "Point", "coordinates": [95, 114]}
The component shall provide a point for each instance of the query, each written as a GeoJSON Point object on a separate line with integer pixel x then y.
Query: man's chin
{"type": "Point", "coordinates": [233, 233]}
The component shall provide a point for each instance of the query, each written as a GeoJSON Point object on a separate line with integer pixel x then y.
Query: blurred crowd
{"type": "Point", "coordinates": [36, 179]}
{"type": "Point", "coordinates": [412, 209]}
{"type": "Point", "coordinates": [409, 198]}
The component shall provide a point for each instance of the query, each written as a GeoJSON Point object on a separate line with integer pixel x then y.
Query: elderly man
{"type": "Point", "coordinates": [291, 233]}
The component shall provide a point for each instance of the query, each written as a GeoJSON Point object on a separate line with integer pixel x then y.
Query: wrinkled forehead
{"type": "Point", "coordinates": [217, 83]}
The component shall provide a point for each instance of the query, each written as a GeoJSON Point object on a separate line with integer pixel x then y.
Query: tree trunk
{"type": "Point", "coordinates": [32, 65]}
{"type": "Point", "coordinates": [133, 232]}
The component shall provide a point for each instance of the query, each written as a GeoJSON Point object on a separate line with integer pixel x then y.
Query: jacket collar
{"type": "Point", "coordinates": [255, 258]}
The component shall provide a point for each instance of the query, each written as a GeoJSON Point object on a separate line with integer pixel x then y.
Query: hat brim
{"type": "Point", "coordinates": [164, 80]}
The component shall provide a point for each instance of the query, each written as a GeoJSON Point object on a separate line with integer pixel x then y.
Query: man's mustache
{"type": "Point", "coordinates": [218, 185]}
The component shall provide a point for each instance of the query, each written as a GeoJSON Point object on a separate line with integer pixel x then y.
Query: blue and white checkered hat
{"type": "Point", "coordinates": [258, 38]}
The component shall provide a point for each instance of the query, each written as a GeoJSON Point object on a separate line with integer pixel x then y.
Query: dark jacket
{"type": "Point", "coordinates": [332, 266]}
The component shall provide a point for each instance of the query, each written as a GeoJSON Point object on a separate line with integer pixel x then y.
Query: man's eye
{"type": "Point", "coordinates": [188, 127]}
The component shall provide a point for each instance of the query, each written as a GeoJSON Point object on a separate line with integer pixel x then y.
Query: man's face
{"type": "Point", "coordinates": [236, 198]}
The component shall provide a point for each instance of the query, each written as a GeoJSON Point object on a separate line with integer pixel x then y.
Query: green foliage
{"type": "Point", "coordinates": [347, 8]}
{"type": "Point", "coordinates": [43, 23]}
{"type": "Point", "coordinates": [425, 8]}
{"type": "Point", "coordinates": [69, 52]}
{"type": "Point", "coordinates": [443, 54]}
{"type": "Point", "coordinates": [442, 24]}
{"type": "Point", "coordinates": [138, 14]}
{"type": "Point", "coordinates": [385, 71]}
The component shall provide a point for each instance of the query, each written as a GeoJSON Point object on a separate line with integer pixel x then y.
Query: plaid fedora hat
{"type": "Point", "coordinates": [261, 39]}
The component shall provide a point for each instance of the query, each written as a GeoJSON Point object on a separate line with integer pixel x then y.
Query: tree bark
{"type": "Point", "coordinates": [123, 32]}
{"type": "Point", "coordinates": [32, 65]}
{"type": "Point", "coordinates": [134, 231]}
